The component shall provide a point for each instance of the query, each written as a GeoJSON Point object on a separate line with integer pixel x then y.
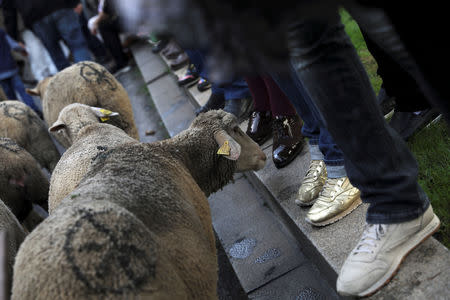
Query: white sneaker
{"type": "Point", "coordinates": [380, 251]}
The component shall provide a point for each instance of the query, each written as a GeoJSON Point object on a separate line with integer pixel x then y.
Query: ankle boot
{"type": "Point", "coordinates": [288, 140]}
{"type": "Point", "coordinates": [215, 101]}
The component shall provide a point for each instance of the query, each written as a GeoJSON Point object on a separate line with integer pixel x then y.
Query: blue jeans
{"type": "Point", "coordinates": [237, 89]}
{"type": "Point", "coordinates": [12, 84]}
{"type": "Point", "coordinates": [377, 160]}
{"type": "Point", "coordinates": [321, 144]}
{"type": "Point", "coordinates": [62, 24]}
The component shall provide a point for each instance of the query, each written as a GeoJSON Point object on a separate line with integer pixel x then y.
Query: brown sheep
{"type": "Point", "coordinates": [22, 182]}
{"type": "Point", "coordinates": [88, 83]}
{"type": "Point", "coordinates": [21, 124]}
{"type": "Point", "coordinates": [164, 185]}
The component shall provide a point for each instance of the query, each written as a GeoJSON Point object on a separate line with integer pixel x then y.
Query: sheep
{"type": "Point", "coordinates": [165, 186]}
{"type": "Point", "coordinates": [13, 236]}
{"type": "Point", "coordinates": [81, 123]}
{"type": "Point", "coordinates": [21, 124]}
{"type": "Point", "coordinates": [88, 83]}
{"type": "Point", "coordinates": [22, 181]}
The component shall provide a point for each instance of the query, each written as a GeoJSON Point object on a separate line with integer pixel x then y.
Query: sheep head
{"type": "Point", "coordinates": [76, 116]}
{"type": "Point", "coordinates": [232, 142]}
{"type": "Point", "coordinates": [40, 88]}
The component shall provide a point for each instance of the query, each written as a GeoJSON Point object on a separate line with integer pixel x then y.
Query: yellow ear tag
{"type": "Point", "coordinates": [224, 149]}
{"type": "Point", "coordinates": [106, 113]}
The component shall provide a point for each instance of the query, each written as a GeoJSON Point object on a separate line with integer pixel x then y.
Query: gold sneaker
{"type": "Point", "coordinates": [312, 183]}
{"type": "Point", "coordinates": [337, 199]}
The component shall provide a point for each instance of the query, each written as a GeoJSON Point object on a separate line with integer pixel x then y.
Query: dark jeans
{"type": "Point", "coordinates": [62, 24]}
{"type": "Point", "coordinates": [94, 44]}
{"type": "Point", "coordinates": [15, 84]}
{"type": "Point", "coordinates": [109, 30]}
{"type": "Point", "coordinates": [321, 144]}
{"type": "Point", "coordinates": [377, 160]}
{"type": "Point", "coordinates": [237, 89]}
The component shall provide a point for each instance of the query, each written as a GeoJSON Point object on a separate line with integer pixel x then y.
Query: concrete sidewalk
{"type": "Point", "coordinates": [425, 273]}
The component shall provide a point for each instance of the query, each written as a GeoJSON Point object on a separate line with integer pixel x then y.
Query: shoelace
{"type": "Point", "coordinates": [331, 187]}
{"type": "Point", "coordinates": [313, 171]}
{"type": "Point", "coordinates": [371, 235]}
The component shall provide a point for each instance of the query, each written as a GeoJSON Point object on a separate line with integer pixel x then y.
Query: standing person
{"type": "Point", "coordinates": [9, 74]}
{"type": "Point", "coordinates": [51, 22]}
{"type": "Point", "coordinates": [107, 24]}
{"type": "Point", "coordinates": [274, 113]}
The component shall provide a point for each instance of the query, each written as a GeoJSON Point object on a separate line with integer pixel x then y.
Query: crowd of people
{"type": "Point", "coordinates": [320, 91]}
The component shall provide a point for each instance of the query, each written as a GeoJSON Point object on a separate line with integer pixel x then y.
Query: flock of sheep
{"type": "Point", "coordinates": [126, 220]}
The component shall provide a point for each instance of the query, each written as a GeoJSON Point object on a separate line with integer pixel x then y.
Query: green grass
{"type": "Point", "coordinates": [431, 146]}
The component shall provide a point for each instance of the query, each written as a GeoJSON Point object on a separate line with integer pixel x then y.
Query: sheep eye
{"type": "Point", "coordinates": [236, 129]}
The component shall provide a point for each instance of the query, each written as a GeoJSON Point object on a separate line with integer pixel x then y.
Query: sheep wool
{"type": "Point", "coordinates": [88, 83]}
{"type": "Point", "coordinates": [14, 235]}
{"type": "Point", "coordinates": [22, 182]}
{"type": "Point", "coordinates": [94, 250]}
{"type": "Point", "coordinates": [21, 124]}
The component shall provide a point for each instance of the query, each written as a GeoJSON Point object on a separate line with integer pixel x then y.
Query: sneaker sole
{"type": "Point", "coordinates": [305, 204]}
{"type": "Point", "coordinates": [416, 240]}
{"type": "Point", "coordinates": [339, 216]}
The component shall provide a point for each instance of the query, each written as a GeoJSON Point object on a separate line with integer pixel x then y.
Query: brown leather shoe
{"type": "Point", "coordinates": [288, 140]}
{"type": "Point", "coordinates": [260, 126]}
{"type": "Point", "coordinates": [179, 62]}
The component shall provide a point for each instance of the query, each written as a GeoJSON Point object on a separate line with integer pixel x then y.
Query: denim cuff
{"type": "Point", "coordinates": [336, 171]}
{"type": "Point", "coordinates": [315, 152]}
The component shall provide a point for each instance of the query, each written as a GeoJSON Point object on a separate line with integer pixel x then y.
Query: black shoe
{"type": "Point", "coordinates": [386, 102]}
{"type": "Point", "coordinates": [259, 126]}
{"type": "Point", "coordinates": [203, 85]}
{"type": "Point", "coordinates": [161, 44]}
{"type": "Point", "coordinates": [288, 140]}
{"type": "Point", "coordinates": [241, 108]}
{"type": "Point", "coordinates": [216, 101]}
{"type": "Point", "coordinates": [407, 123]}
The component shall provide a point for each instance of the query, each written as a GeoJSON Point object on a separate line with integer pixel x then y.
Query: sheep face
{"type": "Point", "coordinates": [233, 143]}
{"type": "Point", "coordinates": [76, 116]}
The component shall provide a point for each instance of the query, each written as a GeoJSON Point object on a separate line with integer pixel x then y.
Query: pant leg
{"type": "Point", "coordinates": [377, 160]}
{"type": "Point", "coordinates": [94, 45]}
{"type": "Point", "coordinates": [8, 88]}
{"type": "Point", "coordinates": [110, 33]}
{"type": "Point", "coordinates": [46, 31]}
{"type": "Point", "coordinates": [321, 144]}
{"type": "Point", "coordinates": [279, 103]}
{"type": "Point", "coordinates": [20, 89]}
{"type": "Point", "coordinates": [68, 26]}
{"type": "Point", "coordinates": [237, 89]}
{"type": "Point", "coordinates": [259, 93]}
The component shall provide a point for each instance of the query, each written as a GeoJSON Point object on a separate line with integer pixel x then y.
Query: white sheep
{"type": "Point", "coordinates": [21, 124]}
{"type": "Point", "coordinates": [88, 138]}
{"type": "Point", "coordinates": [88, 83]}
{"type": "Point", "coordinates": [162, 184]}
{"type": "Point", "coordinates": [22, 182]}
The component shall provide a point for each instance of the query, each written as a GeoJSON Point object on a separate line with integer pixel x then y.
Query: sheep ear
{"type": "Point", "coordinates": [33, 91]}
{"type": "Point", "coordinates": [228, 146]}
{"type": "Point", "coordinates": [58, 125]}
{"type": "Point", "coordinates": [103, 114]}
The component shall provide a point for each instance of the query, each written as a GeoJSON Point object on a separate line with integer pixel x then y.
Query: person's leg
{"type": "Point", "coordinates": [92, 41]}
{"type": "Point", "coordinates": [110, 34]}
{"type": "Point", "coordinates": [68, 26]}
{"type": "Point", "coordinates": [237, 98]}
{"type": "Point", "coordinates": [20, 88]}
{"type": "Point", "coordinates": [46, 31]}
{"type": "Point", "coordinates": [377, 161]}
{"type": "Point", "coordinates": [8, 88]}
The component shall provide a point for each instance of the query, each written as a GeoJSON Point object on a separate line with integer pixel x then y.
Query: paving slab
{"type": "Point", "coordinates": [150, 64]}
{"type": "Point", "coordinates": [258, 245]}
